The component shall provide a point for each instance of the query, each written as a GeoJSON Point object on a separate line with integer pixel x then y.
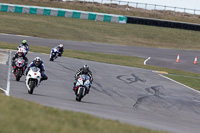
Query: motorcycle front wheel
{"type": "Point", "coordinates": [32, 85]}
{"type": "Point", "coordinates": [18, 74]}
{"type": "Point", "coordinates": [79, 96]}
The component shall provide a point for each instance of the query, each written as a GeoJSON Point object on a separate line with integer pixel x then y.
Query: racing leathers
{"type": "Point", "coordinates": [42, 69]}
{"type": "Point", "coordinates": [60, 50]}
{"type": "Point", "coordinates": [25, 46]}
{"type": "Point", "coordinates": [80, 72]}
{"type": "Point", "coordinates": [15, 56]}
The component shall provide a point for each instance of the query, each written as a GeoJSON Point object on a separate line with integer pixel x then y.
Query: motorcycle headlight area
{"type": "Point", "coordinates": [16, 64]}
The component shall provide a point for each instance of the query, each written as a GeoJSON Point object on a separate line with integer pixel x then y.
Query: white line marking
{"type": "Point", "coordinates": [14, 35]}
{"type": "Point", "coordinates": [179, 83]}
{"type": "Point", "coordinates": [2, 90]}
{"type": "Point", "coordinates": [8, 80]}
{"type": "Point", "coordinates": [146, 60]}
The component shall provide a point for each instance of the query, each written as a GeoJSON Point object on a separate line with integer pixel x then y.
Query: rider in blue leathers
{"type": "Point", "coordinates": [38, 63]}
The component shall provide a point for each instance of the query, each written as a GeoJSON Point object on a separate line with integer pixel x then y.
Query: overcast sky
{"type": "Point", "coordinates": [192, 4]}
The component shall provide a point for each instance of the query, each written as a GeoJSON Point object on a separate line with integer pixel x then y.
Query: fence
{"type": "Point", "coordinates": [128, 5]}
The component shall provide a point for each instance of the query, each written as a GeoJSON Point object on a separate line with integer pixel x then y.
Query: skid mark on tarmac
{"type": "Point", "coordinates": [152, 91]}
{"type": "Point", "coordinates": [128, 79]}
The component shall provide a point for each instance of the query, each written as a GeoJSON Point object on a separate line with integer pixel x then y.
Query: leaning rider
{"type": "Point", "coordinates": [38, 63]}
{"type": "Point", "coordinates": [25, 44]}
{"type": "Point", "coordinates": [60, 49]}
{"type": "Point", "coordinates": [19, 53]}
{"type": "Point", "coordinates": [83, 70]}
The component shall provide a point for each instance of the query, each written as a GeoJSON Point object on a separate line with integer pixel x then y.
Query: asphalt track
{"type": "Point", "coordinates": [159, 56]}
{"type": "Point", "coordinates": [130, 95]}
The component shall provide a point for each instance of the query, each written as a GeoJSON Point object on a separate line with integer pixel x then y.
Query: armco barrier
{"type": "Point", "coordinates": [62, 13]}
{"type": "Point", "coordinates": [163, 23]}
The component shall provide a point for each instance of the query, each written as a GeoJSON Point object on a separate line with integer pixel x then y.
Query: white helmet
{"type": "Point", "coordinates": [21, 51]}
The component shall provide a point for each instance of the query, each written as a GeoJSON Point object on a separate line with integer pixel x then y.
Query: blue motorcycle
{"type": "Point", "coordinates": [54, 54]}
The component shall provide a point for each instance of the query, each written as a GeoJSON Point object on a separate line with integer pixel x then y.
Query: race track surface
{"type": "Point", "coordinates": [159, 57]}
{"type": "Point", "coordinates": [130, 95]}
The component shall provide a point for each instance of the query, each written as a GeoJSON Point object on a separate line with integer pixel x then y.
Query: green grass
{"type": "Point", "coordinates": [20, 116]}
{"type": "Point", "coordinates": [104, 8]}
{"type": "Point", "coordinates": [116, 59]}
{"type": "Point", "coordinates": [95, 31]}
{"type": "Point", "coordinates": [192, 82]}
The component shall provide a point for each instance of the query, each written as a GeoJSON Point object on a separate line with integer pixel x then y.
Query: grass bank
{"type": "Point", "coordinates": [112, 9]}
{"type": "Point", "coordinates": [178, 75]}
{"type": "Point", "coordinates": [20, 116]}
{"type": "Point", "coordinates": [96, 31]}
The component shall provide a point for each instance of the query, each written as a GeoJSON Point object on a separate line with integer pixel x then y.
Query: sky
{"type": "Point", "coordinates": [192, 4]}
{"type": "Point", "coordinates": [189, 4]}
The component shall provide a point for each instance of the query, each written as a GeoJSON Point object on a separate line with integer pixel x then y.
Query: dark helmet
{"type": "Point", "coordinates": [85, 68]}
{"type": "Point", "coordinates": [37, 61]}
{"type": "Point", "coordinates": [24, 42]}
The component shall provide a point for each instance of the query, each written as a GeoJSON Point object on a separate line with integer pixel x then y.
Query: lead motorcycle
{"type": "Point", "coordinates": [82, 86]}
{"type": "Point", "coordinates": [19, 68]}
{"type": "Point", "coordinates": [54, 54]}
{"type": "Point", "coordinates": [33, 79]}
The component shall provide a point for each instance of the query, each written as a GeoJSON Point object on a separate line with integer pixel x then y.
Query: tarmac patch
{"type": "Point", "coordinates": [3, 57]}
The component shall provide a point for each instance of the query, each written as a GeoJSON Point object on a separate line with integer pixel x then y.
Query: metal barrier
{"type": "Point", "coordinates": [163, 23]}
{"type": "Point", "coordinates": [136, 5]}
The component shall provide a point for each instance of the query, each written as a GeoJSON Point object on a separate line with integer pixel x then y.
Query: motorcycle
{"type": "Point", "coordinates": [33, 79]}
{"type": "Point", "coordinates": [82, 86]}
{"type": "Point", "coordinates": [19, 68]}
{"type": "Point", "coordinates": [54, 54]}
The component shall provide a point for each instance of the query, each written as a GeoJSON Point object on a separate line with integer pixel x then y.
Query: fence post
{"type": "Point", "coordinates": [184, 12]}
{"type": "Point", "coordinates": [155, 7]}
{"type": "Point", "coordinates": [194, 11]}
{"type": "Point", "coordinates": [119, 4]}
{"type": "Point", "coordinates": [164, 9]}
{"type": "Point", "coordinates": [174, 10]}
{"type": "Point", "coordinates": [127, 6]}
{"type": "Point", "coordinates": [101, 1]}
{"type": "Point", "coordinates": [136, 5]}
{"type": "Point", "coordinates": [146, 6]}
{"type": "Point", "coordinates": [110, 3]}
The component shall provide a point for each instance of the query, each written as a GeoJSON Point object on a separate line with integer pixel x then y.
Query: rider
{"type": "Point", "coordinates": [19, 53]}
{"type": "Point", "coordinates": [38, 63]}
{"type": "Point", "coordinates": [60, 49]}
{"type": "Point", "coordinates": [25, 44]}
{"type": "Point", "coordinates": [83, 70]}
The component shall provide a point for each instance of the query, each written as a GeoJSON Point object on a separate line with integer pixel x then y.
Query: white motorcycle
{"type": "Point", "coordinates": [82, 86]}
{"type": "Point", "coordinates": [33, 79]}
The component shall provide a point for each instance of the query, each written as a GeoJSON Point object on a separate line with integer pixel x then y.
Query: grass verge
{"type": "Point", "coordinates": [20, 116]}
{"type": "Point", "coordinates": [110, 8]}
{"type": "Point", "coordinates": [96, 31]}
{"type": "Point", "coordinates": [178, 75]}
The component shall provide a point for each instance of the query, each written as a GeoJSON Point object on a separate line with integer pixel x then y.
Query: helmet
{"type": "Point", "coordinates": [37, 61]}
{"type": "Point", "coordinates": [24, 42]}
{"type": "Point", "coordinates": [60, 46]}
{"type": "Point", "coordinates": [21, 51]}
{"type": "Point", "coordinates": [85, 68]}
